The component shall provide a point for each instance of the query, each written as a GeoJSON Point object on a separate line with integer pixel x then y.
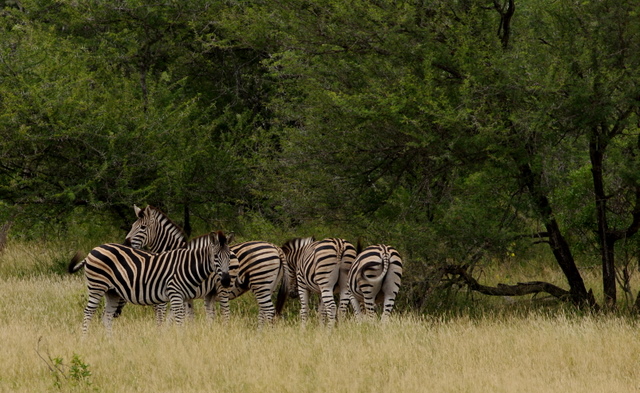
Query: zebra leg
{"type": "Point", "coordinates": [389, 300]}
{"type": "Point", "coordinates": [95, 294]}
{"type": "Point", "coordinates": [355, 304]}
{"type": "Point", "coordinates": [189, 311]}
{"type": "Point", "coordinates": [390, 290]}
{"type": "Point", "coordinates": [345, 295]}
{"type": "Point", "coordinates": [209, 307]}
{"type": "Point", "coordinates": [369, 305]}
{"type": "Point", "coordinates": [160, 311]}
{"type": "Point", "coordinates": [89, 310]}
{"type": "Point", "coordinates": [121, 305]}
{"type": "Point", "coordinates": [266, 309]}
{"type": "Point", "coordinates": [177, 309]}
{"type": "Point", "coordinates": [321, 312]}
{"type": "Point", "coordinates": [224, 305]}
{"type": "Point", "coordinates": [329, 305]}
{"type": "Point", "coordinates": [112, 301]}
{"type": "Point", "coordinates": [304, 305]}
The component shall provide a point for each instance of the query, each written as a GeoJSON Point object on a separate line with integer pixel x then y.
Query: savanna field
{"type": "Point", "coordinates": [531, 350]}
{"type": "Point", "coordinates": [491, 143]}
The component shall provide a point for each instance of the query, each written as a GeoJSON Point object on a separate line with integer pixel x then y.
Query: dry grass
{"type": "Point", "coordinates": [492, 351]}
{"type": "Point", "coordinates": [40, 317]}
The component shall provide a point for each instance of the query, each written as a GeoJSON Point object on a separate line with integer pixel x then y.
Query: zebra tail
{"type": "Point", "coordinates": [75, 263]}
{"type": "Point", "coordinates": [283, 292]}
{"type": "Point", "coordinates": [385, 268]}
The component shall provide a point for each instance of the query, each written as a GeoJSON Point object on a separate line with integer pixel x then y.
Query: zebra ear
{"type": "Point", "coordinates": [218, 238]}
{"type": "Point", "coordinates": [231, 237]}
{"type": "Point", "coordinates": [137, 210]}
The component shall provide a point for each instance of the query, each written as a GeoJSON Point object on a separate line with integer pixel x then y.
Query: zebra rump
{"type": "Point", "coordinates": [375, 278]}
{"type": "Point", "coordinates": [320, 267]}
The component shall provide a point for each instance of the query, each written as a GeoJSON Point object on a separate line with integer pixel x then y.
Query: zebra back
{"type": "Point", "coordinates": [295, 250]}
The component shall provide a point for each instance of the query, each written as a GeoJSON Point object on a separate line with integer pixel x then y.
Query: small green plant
{"type": "Point", "coordinates": [75, 374]}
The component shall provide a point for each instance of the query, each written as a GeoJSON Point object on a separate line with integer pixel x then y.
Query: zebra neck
{"type": "Point", "coordinates": [198, 243]}
{"type": "Point", "coordinates": [163, 245]}
{"type": "Point", "coordinates": [197, 266]}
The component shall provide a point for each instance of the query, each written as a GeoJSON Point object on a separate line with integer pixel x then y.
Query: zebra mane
{"type": "Point", "coordinates": [166, 221]}
{"type": "Point", "coordinates": [205, 238]}
{"type": "Point", "coordinates": [222, 238]}
{"type": "Point", "coordinates": [297, 242]}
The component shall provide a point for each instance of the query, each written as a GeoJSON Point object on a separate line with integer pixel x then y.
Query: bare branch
{"type": "Point", "coordinates": [520, 289]}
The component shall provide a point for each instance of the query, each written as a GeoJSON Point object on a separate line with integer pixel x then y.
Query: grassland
{"type": "Point", "coordinates": [43, 349]}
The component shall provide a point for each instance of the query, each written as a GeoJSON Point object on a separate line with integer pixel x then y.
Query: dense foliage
{"type": "Point", "coordinates": [455, 130]}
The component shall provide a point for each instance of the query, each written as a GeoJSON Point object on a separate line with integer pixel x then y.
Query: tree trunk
{"type": "Point", "coordinates": [187, 220]}
{"type": "Point", "coordinates": [597, 147]}
{"type": "Point", "coordinates": [4, 232]}
{"type": "Point", "coordinates": [559, 246]}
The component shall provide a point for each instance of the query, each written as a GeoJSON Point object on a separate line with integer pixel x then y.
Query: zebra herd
{"type": "Point", "coordinates": [209, 267]}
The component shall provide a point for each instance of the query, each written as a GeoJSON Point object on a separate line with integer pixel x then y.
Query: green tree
{"type": "Point", "coordinates": [127, 102]}
{"type": "Point", "coordinates": [421, 119]}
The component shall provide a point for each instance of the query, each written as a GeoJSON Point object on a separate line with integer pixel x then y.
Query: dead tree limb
{"type": "Point", "coordinates": [520, 289]}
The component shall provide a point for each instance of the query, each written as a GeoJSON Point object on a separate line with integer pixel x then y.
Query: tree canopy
{"type": "Point", "coordinates": [455, 130]}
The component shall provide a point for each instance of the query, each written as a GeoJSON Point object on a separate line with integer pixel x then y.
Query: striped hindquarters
{"type": "Point", "coordinates": [261, 270]}
{"type": "Point", "coordinates": [375, 277]}
{"type": "Point", "coordinates": [320, 267]}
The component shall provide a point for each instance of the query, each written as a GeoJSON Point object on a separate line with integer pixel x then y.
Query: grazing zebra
{"type": "Point", "coordinates": [261, 264]}
{"type": "Point", "coordinates": [321, 267]}
{"type": "Point", "coordinates": [375, 277]}
{"type": "Point", "coordinates": [121, 272]}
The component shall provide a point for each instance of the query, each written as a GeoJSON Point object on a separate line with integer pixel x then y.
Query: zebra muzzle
{"type": "Point", "coordinates": [225, 280]}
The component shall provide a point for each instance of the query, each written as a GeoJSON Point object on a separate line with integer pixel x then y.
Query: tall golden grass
{"type": "Point", "coordinates": [43, 350]}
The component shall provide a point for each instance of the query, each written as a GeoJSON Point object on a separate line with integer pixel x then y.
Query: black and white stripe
{"type": "Point", "coordinates": [154, 230]}
{"type": "Point", "coordinates": [375, 277]}
{"type": "Point", "coordinates": [321, 267]}
{"type": "Point", "coordinates": [121, 272]}
{"type": "Point", "coordinates": [260, 266]}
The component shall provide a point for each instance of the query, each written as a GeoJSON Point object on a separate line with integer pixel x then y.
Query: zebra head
{"type": "Point", "coordinates": [221, 255]}
{"type": "Point", "coordinates": [141, 232]}
{"type": "Point", "coordinates": [153, 229]}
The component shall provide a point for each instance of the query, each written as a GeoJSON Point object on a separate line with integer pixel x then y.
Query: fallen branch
{"type": "Point", "coordinates": [520, 289]}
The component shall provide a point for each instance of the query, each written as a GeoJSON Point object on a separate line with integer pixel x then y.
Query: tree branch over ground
{"type": "Point", "coordinates": [520, 289]}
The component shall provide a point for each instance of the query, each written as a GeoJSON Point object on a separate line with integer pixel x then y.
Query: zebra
{"type": "Point", "coordinates": [375, 277]}
{"type": "Point", "coordinates": [154, 230]}
{"type": "Point", "coordinates": [261, 264]}
{"type": "Point", "coordinates": [321, 267]}
{"type": "Point", "coordinates": [117, 272]}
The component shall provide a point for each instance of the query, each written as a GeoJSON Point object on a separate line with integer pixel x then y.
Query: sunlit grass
{"type": "Point", "coordinates": [40, 320]}
{"type": "Point", "coordinates": [496, 345]}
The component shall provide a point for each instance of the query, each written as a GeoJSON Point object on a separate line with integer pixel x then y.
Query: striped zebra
{"type": "Point", "coordinates": [260, 264]}
{"type": "Point", "coordinates": [375, 277]}
{"type": "Point", "coordinates": [154, 230]}
{"type": "Point", "coordinates": [321, 267]}
{"type": "Point", "coordinates": [118, 272]}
